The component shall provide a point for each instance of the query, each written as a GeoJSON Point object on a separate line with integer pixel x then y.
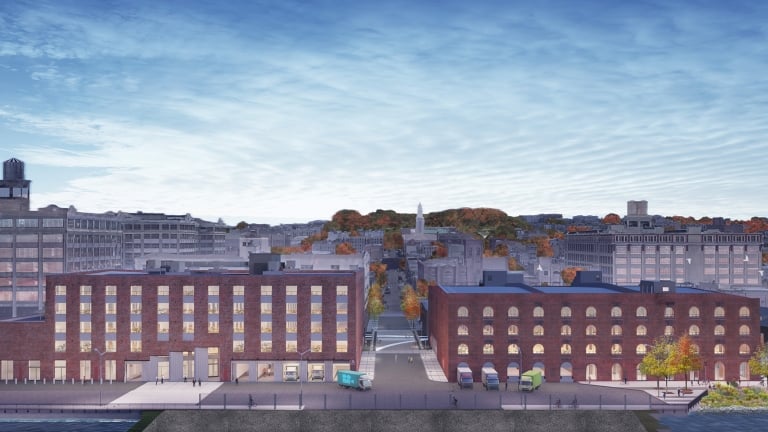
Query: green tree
{"type": "Point", "coordinates": [375, 307]}
{"type": "Point", "coordinates": [658, 361]}
{"type": "Point", "coordinates": [242, 225]}
{"type": "Point", "coordinates": [758, 363]}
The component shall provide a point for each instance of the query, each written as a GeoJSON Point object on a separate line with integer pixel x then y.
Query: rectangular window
{"type": "Point", "coordinates": [266, 326]}
{"type": "Point", "coordinates": [135, 346]}
{"type": "Point", "coordinates": [60, 308]}
{"type": "Point", "coordinates": [188, 290]}
{"type": "Point", "coordinates": [266, 346]}
{"type": "Point", "coordinates": [238, 346]}
{"type": "Point", "coordinates": [291, 346]}
{"type": "Point", "coordinates": [60, 346]}
{"type": "Point", "coordinates": [266, 290]}
{"type": "Point", "coordinates": [85, 290]}
{"type": "Point", "coordinates": [189, 308]}
{"type": "Point", "coordinates": [341, 308]}
{"type": "Point", "coordinates": [316, 308]}
{"type": "Point", "coordinates": [189, 327]}
{"type": "Point", "coordinates": [136, 308]}
{"type": "Point", "coordinates": [341, 326]}
{"type": "Point", "coordinates": [111, 326]}
{"type": "Point", "coordinates": [85, 308]}
{"type": "Point", "coordinates": [316, 327]}
{"type": "Point", "coordinates": [61, 290]}
{"type": "Point", "coordinates": [85, 327]}
{"type": "Point", "coordinates": [135, 290]}
{"type": "Point", "coordinates": [60, 370]}
{"type": "Point", "coordinates": [341, 346]}
{"type": "Point", "coordinates": [317, 290]}
{"type": "Point", "coordinates": [238, 290]}
{"type": "Point", "coordinates": [162, 327]}
{"type": "Point", "coordinates": [135, 326]}
{"type": "Point", "coordinates": [34, 370]}
{"type": "Point", "coordinates": [238, 327]}
{"type": "Point", "coordinates": [110, 308]}
{"type": "Point", "coordinates": [238, 308]}
{"type": "Point", "coordinates": [266, 308]}
{"type": "Point", "coordinates": [341, 290]}
{"type": "Point", "coordinates": [163, 290]}
{"type": "Point", "coordinates": [290, 326]}
{"type": "Point", "coordinates": [6, 369]}
{"type": "Point", "coordinates": [213, 290]}
{"type": "Point", "coordinates": [316, 346]}
{"type": "Point", "coordinates": [213, 326]}
{"type": "Point", "coordinates": [162, 308]}
{"type": "Point", "coordinates": [213, 308]}
{"type": "Point", "coordinates": [61, 327]}
{"type": "Point", "coordinates": [111, 346]}
{"type": "Point", "coordinates": [290, 308]}
{"type": "Point", "coordinates": [291, 290]}
{"type": "Point", "coordinates": [85, 346]}
{"type": "Point", "coordinates": [111, 290]}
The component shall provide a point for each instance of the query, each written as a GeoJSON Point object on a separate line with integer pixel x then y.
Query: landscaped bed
{"type": "Point", "coordinates": [729, 397]}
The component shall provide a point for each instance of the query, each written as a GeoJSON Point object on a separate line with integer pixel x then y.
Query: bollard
{"type": "Point", "coordinates": [225, 401]}
{"type": "Point", "coordinates": [325, 401]}
{"type": "Point", "coordinates": [600, 402]}
{"type": "Point", "coordinates": [550, 402]}
{"type": "Point", "coordinates": [625, 402]}
{"type": "Point", "coordinates": [374, 401]}
{"type": "Point", "coordinates": [525, 402]}
{"type": "Point", "coordinates": [274, 401]}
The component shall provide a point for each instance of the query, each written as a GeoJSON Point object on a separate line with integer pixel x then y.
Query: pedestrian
{"type": "Point", "coordinates": [506, 385]}
{"type": "Point", "coordinates": [155, 380]}
{"type": "Point", "coordinates": [193, 382]}
{"type": "Point", "coordinates": [250, 401]}
{"type": "Point", "coordinates": [455, 402]}
{"type": "Point", "coordinates": [678, 392]}
{"type": "Point", "coordinates": [625, 379]}
{"type": "Point", "coordinates": [237, 381]}
{"type": "Point", "coordinates": [185, 378]}
{"type": "Point", "coordinates": [162, 380]}
{"type": "Point", "coordinates": [664, 395]}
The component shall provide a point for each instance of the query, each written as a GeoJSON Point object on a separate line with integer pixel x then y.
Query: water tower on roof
{"type": "Point", "coordinates": [14, 188]}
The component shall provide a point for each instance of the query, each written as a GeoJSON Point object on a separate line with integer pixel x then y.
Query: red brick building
{"type": "Point", "coordinates": [581, 333]}
{"type": "Point", "coordinates": [128, 326]}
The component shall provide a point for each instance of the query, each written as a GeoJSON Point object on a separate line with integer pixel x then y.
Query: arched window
{"type": "Point", "coordinates": [565, 312]}
{"type": "Point", "coordinates": [538, 330]}
{"type": "Point", "coordinates": [719, 312]}
{"type": "Point", "coordinates": [744, 371]}
{"type": "Point", "coordinates": [641, 330]}
{"type": "Point", "coordinates": [719, 349]}
{"type": "Point", "coordinates": [487, 312]}
{"type": "Point", "coordinates": [669, 331]}
{"type": "Point", "coordinates": [616, 330]}
{"type": "Point", "coordinates": [695, 348]}
{"type": "Point", "coordinates": [513, 349]}
{"type": "Point", "coordinates": [615, 312]}
{"type": "Point", "coordinates": [719, 330]}
{"type": "Point", "coordinates": [744, 330]}
{"type": "Point", "coordinates": [463, 312]}
{"type": "Point", "coordinates": [591, 312]}
{"type": "Point", "coordinates": [641, 312]}
{"type": "Point", "coordinates": [640, 349]}
{"type": "Point", "coordinates": [565, 330]}
{"type": "Point", "coordinates": [538, 312]}
{"type": "Point", "coordinates": [744, 349]}
{"type": "Point", "coordinates": [463, 349]}
{"type": "Point", "coordinates": [488, 348]}
{"type": "Point", "coordinates": [591, 330]}
{"type": "Point", "coordinates": [693, 312]}
{"type": "Point", "coordinates": [616, 349]}
{"type": "Point", "coordinates": [512, 330]}
{"type": "Point", "coordinates": [743, 312]}
{"type": "Point", "coordinates": [640, 375]}
{"type": "Point", "coordinates": [538, 349]}
{"type": "Point", "coordinates": [463, 330]}
{"type": "Point", "coordinates": [487, 330]}
{"type": "Point", "coordinates": [565, 349]}
{"type": "Point", "coordinates": [512, 312]}
{"type": "Point", "coordinates": [591, 349]}
{"type": "Point", "coordinates": [669, 312]}
{"type": "Point", "coordinates": [693, 330]}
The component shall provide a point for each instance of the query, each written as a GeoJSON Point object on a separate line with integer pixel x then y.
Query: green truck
{"type": "Point", "coordinates": [530, 380]}
{"type": "Point", "coordinates": [353, 379]}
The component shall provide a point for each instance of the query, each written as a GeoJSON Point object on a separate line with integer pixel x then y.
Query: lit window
{"type": "Point", "coordinates": [213, 326]}
{"type": "Point", "coordinates": [188, 290]}
{"type": "Point", "coordinates": [266, 346]}
{"type": "Point", "coordinates": [238, 308]}
{"type": "Point", "coordinates": [110, 290]}
{"type": "Point", "coordinates": [488, 349]}
{"type": "Point", "coordinates": [512, 312]}
{"type": "Point", "coordinates": [85, 290]}
{"type": "Point", "coordinates": [266, 326]}
{"type": "Point", "coordinates": [641, 330]}
{"type": "Point", "coordinates": [341, 308]}
{"type": "Point", "coordinates": [136, 291]}
{"type": "Point", "coordinates": [487, 330]}
{"type": "Point", "coordinates": [565, 330]}
{"type": "Point", "coordinates": [615, 312]}
{"type": "Point", "coordinates": [538, 330]}
{"type": "Point", "coordinates": [238, 290]}
{"type": "Point", "coordinates": [291, 346]}
{"type": "Point", "coordinates": [85, 327]}
{"type": "Point", "coordinates": [341, 346]}
{"type": "Point", "coordinates": [316, 346]}
{"type": "Point", "coordinates": [513, 349]}
{"type": "Point", "coordinates": [85, 346]}
{"type": "Point", "coordinates": [463, 330]}
{"type": "Point", "coordinates": [60, 308]}
{"type": "Point", "coordinates": [719, 349]}
{"type": "Point", "coordinates": [341, 327]}
{"type": "Point", "coordinates": [693, 330]}
{"type": "Point", "coordinates": [744, 312]}
{"type": "Point", "coordinates": [162, 290]}
{"type": "Point", "coordinates": [111, 326]}
{"type": "Point", "coordinates": [744, 330]}
{"type": "Point", "coordinates": [213, 290]}
{"type": "Point", "coordinates": [316, 290]}
{"type": "Point", "coordinates": [316, 327]}
{"type": "Point", "coordinates": [463, 349]}
{"type": "Point", "coordinates": [162, 308]}
{"type": "Point", "coordinates": [669, 331]}
{"type": "Point", "coordinates": [136, 346]}
{"type": "Point", "coordinates": [641, 312]}
{"type": "Point", "coordinates": [61, 290]}
{"type": "Point", "coordinates": [60, 346]}
{"type": "Point", "coordinates": [538, 349]}
{"type": "Point", "coordinates": [640, 349]}
{"type": "Point", "coordinates": [719, 330]}
{"type": "Point", "coordinates": [316, 308]}
{"type": "Point", "coordinates": [538, 312]}
{"type": "Point", "coordinates": [135, 326]}
{"type": "Point", "coordinates": [512, 330]}
{"type": "Point", "coordinates": [462, 312]}
{"type": "Point", "coordinates": [188, 327]}
{"type": "Point", "coordinates": [266, 308]}
{"type": "Point", "coordinates": [487, 312]}
{"type": "Point", "coordinates": [291, 290]}
{"type": "Point", "coordinates": [719, 312]}
{"type": "Point", "coordinates": [669, 312]}
{"type": "Point", "coordinates": [111, 346]}
{"type": "Point", "coordinates": [290, 326]}
{"type": "Point", "coordinates": [238, 327]}
{"type": "Point", "coordinates": [291, 308]}
{"type": "Point", "coordinates": [213, 308]}
{"type": "Point", "coordinates": [591, 349]}
{"type": "Point", "coordinates": [615, 349]}
{"type": "Point", "coordinates": [60, 327]}
{"type": "Point", "coordinates": [591, 312]}
{"type": "Point", "coordinates": [744, 349]}
{"type": "Point", "coordinates": [341, 290]}
{"type": "Point", "coordinates": [591, 330]}
{"type": "Point", "coordinates": [136, 308]}
{"type": "Point", "coordinates": [266, 290]}
{"type": "Point", "coordinates": [189, 308]}
{"type": "Point", "coordinates": [162, 327]}
{"type": "Point", "coordinates": [85, 308]}
{"type": "Point", "coordinates": [238, 346]}
{"type": "Point", "coordinates": [565, 312]}
{"type": "Point", "coordinates": [110, 308]}
{"type": "Point", "coordinates": [693, 312]}
{"type": "Point", "coordinates": [565, 349]}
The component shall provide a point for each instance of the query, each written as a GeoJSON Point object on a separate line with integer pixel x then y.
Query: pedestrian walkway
{"type": "Point", "coordinates": [368, 363]}
{"type": "Point", "coordinates": [432, 367]}
{"type": "Point", "coordinates": [168, 392]}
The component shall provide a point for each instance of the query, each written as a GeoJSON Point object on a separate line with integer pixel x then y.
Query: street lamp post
{"type": "Point", "coordinates": [301, 378]}
{"type": "Point", "coordinates": [101, 371]}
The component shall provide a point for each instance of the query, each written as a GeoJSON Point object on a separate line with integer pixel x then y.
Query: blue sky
{"type": "Point", "coordinates": [282, 111]}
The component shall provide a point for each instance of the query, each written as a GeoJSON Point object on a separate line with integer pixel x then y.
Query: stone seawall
{"type": "Point", "coordinates": [396, 421]}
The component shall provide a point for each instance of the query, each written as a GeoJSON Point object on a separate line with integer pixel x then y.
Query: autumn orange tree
{"type": "Point", "coordinates": [513, 265]}
{"type": "Point", "coordinates": [685, 358]}
{"type": "Point", "coordinates": [440, 250]}
{"type": "Point", "coordinates": [568, 274]}
{"type": "Point", "coordinates": [410, 305]}
{"type": "Point", "coordinates": [422, 287]}
{"type": "Point", "coordinates": [543, 247]}
{"type": "Point", "coordinates": [612, 219]}
{"type": "Point", "coordinates": [379, 269]}
{"type": "Point", "coordinates": [345, 249]}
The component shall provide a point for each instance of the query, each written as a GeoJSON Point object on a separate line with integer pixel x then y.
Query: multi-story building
{"type": "Point", "coordinates": [136, 326]}
{"type": "Point", "coordinates": [588, 332]}
{"type": "Point", "coordinates": [626, 254]}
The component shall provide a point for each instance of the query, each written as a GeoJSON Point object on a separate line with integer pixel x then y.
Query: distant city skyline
{"type": "Point", "coordinates": [288, 111]}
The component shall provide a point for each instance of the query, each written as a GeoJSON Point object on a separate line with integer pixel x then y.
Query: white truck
{"type": "Point", "coordinates": [464, 377]}
{"type": "Point", "coordinates": [490, 378]}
